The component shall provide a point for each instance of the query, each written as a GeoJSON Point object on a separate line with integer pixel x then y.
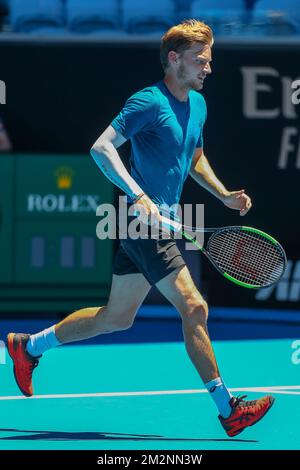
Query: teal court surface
{"type": "Point", "coordinates": [144, 393]}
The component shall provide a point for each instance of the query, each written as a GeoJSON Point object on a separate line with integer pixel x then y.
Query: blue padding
{"type": "Point", "coordinates": [48, 31]}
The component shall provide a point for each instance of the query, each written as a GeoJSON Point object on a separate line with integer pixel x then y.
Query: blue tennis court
{"type": "Point", "coordinates": [138, 390]}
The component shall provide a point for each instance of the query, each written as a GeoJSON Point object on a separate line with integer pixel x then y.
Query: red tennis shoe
{"type": "Point", "coordinates": [245, 413]}
{"type": "Point", "coordinates": [24, 364]}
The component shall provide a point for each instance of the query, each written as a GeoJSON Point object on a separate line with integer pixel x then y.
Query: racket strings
{"type": "Point", "coordinates": [249, 264]}
{"type": "Point", "coordinates": [251, 254]}
{"type": "Point", "coordinates": [247, 256]}
{"type": "Point", "coordinates": [249, 274]}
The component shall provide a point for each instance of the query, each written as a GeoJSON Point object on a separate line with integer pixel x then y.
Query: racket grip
{"type": "Point", "coordinates": [165, 222]}
{"type": "Point", "coordinates": [170, 224]}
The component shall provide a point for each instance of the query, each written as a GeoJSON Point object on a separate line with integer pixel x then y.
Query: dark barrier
{"type": "Point", "coordinates": [6, 218]}
{"type": "Point", "coordinates": [61, 96]}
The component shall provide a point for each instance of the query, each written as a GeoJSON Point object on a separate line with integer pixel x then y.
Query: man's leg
{"type": "Point", "coordinates": [235, 413]}
{"type": "Point", "coordinates": [127, 294]}
{"type": "Point", "coordinates": [179, 288]}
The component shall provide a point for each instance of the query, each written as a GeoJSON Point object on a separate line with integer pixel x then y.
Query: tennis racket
{"type": "Point", "coordinates": [244, 255]}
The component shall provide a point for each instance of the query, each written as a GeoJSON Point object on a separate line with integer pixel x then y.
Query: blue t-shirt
{"type": "Point", "coordinates": [164, 133]}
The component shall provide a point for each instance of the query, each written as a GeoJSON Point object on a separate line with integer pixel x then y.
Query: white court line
{"type": "Point", "coordinates": [283, 392]}
{"type": "Point", "coordinates": [283, 389]}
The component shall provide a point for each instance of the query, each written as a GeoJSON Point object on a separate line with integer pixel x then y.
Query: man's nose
{"type": "Point", "coordinates": [207, 68]}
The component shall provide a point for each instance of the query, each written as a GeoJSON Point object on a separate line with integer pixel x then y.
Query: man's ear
{"type": "Point", "coordinates": [173, 56]}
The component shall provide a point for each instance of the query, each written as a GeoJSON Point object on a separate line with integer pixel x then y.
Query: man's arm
{"type": "Point", "coordinates": [5, 143]}
{"type": "Point", "coordinates": [104, 152]}
{"type": "Point", "coordinates": [203, 173]}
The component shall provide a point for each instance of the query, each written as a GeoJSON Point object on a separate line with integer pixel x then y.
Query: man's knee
{"type": "Point", "coordinates": [196, 312]}
{"type": "Point", "coordinates": [123, 324]}
{"type": "Point", "coordinates": [118, 321]}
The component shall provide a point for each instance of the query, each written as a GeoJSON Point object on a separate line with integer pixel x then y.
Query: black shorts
{"type": "Point", "coordinates": [154, 258]}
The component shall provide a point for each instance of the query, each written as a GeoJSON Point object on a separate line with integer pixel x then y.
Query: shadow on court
{"type": "Point", "coordinates": [101, 436]}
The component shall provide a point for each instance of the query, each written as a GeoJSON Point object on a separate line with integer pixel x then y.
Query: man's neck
{"type": "Point", "coordinates": [181, 93]}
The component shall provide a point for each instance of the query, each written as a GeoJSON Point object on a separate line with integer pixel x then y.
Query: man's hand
{"type": "Point", "coordinates": [238, 200]}
{"type": "Point", "coordinates": [148, 211]}
{"type": "Point", "coordinates": [5, 143]}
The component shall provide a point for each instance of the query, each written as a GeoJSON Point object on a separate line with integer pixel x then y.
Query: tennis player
{"type": "Point", "coordinates": [165, 125]}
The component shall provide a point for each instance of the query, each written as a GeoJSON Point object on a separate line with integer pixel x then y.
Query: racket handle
{"type": "Point", "coordinates": [167, 223]}
{"type": "Point", "coordinates": [170, 224]}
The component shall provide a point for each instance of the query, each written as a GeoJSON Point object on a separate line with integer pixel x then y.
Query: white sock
{"type": "Point", "coordinates": [220, 395]}
{"type": "Point", "coordinates": [42, 341]}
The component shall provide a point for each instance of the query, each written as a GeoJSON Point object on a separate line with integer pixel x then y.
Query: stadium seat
{"type": "Point", "coordinates": [277, 17]}
{"type": "Point", "coordinates": [250, 4]}
{"type": "Point", "coordinates": [3, 8]}
{"type": "Point", "coordinates": [182, 9]}
{"type": "Point", "coordinates": [155, 16]}
{"type": "Point", "coordinates": [93, 16]}
{"type": "Point", "coordinates": [224, 17]}
{"type": "Point", "coordinates": [36, 16]}
{"type": "Point", "coordinates": [221, 4]}
{"type": "Point", "coordinates": [4, 5]}
{"type": "Point", "coordinates": [283, 5]}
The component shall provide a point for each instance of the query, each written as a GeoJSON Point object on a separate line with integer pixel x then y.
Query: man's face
{"type": "Point", "coordinates": [194, 66]}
